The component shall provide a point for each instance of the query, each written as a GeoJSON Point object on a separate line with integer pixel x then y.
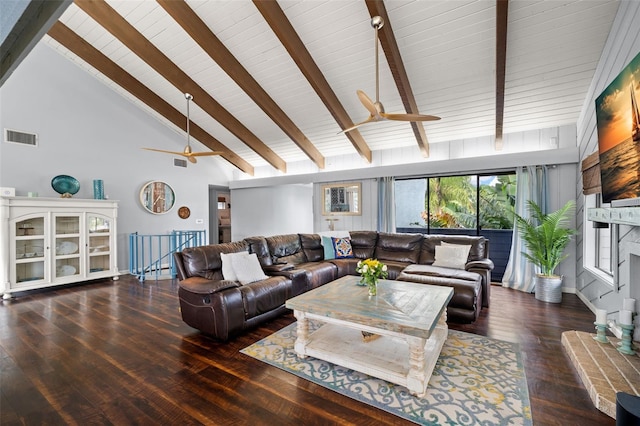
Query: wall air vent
{"type": "Point", "coordinates": [179, 163]}
{"type": "Point", "coordinates": [23, 138]}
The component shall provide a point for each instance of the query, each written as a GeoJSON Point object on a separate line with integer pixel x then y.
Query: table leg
{"type": "Point", "coordinates": [416, 378]}
{"type": "Point", "coordinates": [302, 338]}
{"type": "Point", "coordinates": [423, 355]}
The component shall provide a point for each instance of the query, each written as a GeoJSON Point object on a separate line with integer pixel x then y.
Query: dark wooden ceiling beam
{"type": "Point", "coordinates": [394, 59]}
{"type": "Point", "coordinates": [77, 45]}
{"type": "Point", "coordinates": [106, 16]}
{"type": "Point", "coordinates": [22, 33]}
{"type": "Point", "coordinates": [277, 20]}
{"type": "Point", "coordinates": [200, 32]}
{"type": "Point", "coordinates": [502, 9]}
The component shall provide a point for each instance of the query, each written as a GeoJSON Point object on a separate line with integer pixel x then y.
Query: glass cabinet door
{"type": "Point", "coordinates": [99, 243]}
{"type": "Point", "coordinates": [66, 245]}
{"type": "Point", "coordinates": [30, 245]}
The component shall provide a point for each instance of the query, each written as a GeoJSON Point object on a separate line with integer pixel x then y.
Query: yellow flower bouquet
{"type": "Point", "coordinates": [371, 270]}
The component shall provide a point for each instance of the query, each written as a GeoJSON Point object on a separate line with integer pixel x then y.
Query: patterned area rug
{"type": "Point", "coordinates": [477, 380]}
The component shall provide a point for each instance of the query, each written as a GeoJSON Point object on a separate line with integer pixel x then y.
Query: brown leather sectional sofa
{"type": "Point", "coordinates": [295, 264]}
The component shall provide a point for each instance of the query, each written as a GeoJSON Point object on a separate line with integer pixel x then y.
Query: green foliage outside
{"type": "Point", "coordinates": [453, 203]}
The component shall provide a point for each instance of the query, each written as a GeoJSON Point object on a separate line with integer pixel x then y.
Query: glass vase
{"type": "Point", "coordinates": [98, 189]}
{"type": "Point", "coordinates": [372, 287]}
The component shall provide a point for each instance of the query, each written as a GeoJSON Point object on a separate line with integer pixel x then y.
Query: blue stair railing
{"type": "Point", "coordinates": [152, 255]}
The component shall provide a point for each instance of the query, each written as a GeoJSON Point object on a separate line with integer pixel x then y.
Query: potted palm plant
{"type": "Point", "coordinates": [546, 236]}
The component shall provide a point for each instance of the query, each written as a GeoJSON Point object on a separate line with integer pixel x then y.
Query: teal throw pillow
{"type": "Point", "coordinates": [329, 251]}
{"type": "Point", "coordinates": [342, 247]}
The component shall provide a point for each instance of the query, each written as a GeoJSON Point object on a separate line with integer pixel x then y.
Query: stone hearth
{"type": "Point", "coordinates": [604, 370]}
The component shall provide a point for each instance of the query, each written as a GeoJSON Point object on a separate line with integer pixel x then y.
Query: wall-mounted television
{"type": "Point", "coordinates": [618, 122]}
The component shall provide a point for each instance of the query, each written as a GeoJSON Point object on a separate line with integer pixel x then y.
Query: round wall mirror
{"type": "Point", "coordinates": [157, 197]}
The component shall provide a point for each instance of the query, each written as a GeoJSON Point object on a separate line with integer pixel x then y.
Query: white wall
{"type": "Point", "coordinates": [266, 211]}
{"type": "Point", "coordinates": [621, 47]}
{"type": "Point", "coordinates": [89, 131]}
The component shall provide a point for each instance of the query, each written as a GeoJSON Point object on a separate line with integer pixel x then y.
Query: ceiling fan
{"type": "Point", "coordinates": [376, 110]}
{"type": "Point", "coordinates": [188, 153]}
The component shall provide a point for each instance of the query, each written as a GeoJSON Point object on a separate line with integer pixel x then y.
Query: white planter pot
{"type": "Point", "coordinates": [549, 289]}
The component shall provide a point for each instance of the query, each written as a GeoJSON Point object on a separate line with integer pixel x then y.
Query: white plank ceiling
{"type": "Point", "coordinates": [448, 49]}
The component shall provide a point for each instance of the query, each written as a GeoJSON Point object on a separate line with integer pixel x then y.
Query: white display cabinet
{"type": "Point", "coordinates": [53, 241]}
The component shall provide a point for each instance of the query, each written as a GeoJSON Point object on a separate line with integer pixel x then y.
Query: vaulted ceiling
{"type": "Point", "coordinates": [275, 82]}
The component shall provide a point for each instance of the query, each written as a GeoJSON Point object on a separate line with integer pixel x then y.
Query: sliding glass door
{"type": "Point", "coordinates": [463, 205]}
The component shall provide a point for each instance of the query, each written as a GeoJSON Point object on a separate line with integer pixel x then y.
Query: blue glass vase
{"type": "Point", "coordinates": [98, 189]}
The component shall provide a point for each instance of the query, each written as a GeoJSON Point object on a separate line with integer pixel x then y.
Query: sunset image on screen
{"type": "Point", "coordinates": [618, 121]}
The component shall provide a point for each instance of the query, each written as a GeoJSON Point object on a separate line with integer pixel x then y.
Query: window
{"type": "Point", "coordinates": [470, 202]}
{"type": "Point", "coordinates": [460, 205]}
{"type": "Point", "coordinates": [598, 243]}
{"type": "Point", "coordinates": [603, 250]}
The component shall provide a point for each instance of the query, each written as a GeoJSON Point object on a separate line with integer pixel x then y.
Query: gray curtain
{"type": "Point", "coordinates": [531, 185]}
{"type": "Point", "coordinates": [386, 205]}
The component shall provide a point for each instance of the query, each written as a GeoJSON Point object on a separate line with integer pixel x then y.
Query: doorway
{"type": "Point", "coordinates": [219, 214]}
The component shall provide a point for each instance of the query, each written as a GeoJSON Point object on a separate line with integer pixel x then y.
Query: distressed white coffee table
{"type": "Point", "coordinates": [410, 319]}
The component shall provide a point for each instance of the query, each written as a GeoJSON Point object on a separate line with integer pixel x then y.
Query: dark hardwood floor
{"type": "Point", "coordinates": [117, 352]}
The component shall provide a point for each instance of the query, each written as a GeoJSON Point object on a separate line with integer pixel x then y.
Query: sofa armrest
{"type": "Point", "coordinates": [201, 285]}
{"type": "Point", "coordinates": [480, 264]}
{"type": "Point", "coordinates": [484, 268]}
{"type": "Point", "coordinates": [181, 272]}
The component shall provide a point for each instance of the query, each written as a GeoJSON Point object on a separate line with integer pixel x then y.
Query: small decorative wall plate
{"type": "Point", "coordinates": [184, 212]}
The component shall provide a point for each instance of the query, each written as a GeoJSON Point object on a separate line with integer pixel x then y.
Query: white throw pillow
{"type": "Point", "coordinates": [452, 256]}
{"type": "Point", "coordinates": [248, 269]}
{"type": "Point", "coordinates": [228, 273]}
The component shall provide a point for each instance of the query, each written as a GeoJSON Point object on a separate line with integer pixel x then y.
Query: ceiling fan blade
{"type": "Point", "coordinates": [165, 151]}
{"type": "Point", "coordinates": [191, 159]}
{"type": "Point", "coordinates": [202, 154]}
{"type": "Point", "coordinates": [367, 102]}
{"type": "Point", "coordinates": [355, 126]}
{"type": "Point", "coordinates": [409, 117]}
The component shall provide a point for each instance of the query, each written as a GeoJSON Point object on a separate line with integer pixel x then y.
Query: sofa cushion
{"type": "Point", "coordinates": [398, 247]}
{"type": "Point", "coordinates": [258, 245]}
{"type": "Point", "coordinates": [435, 271]}
{"type": "Point", "coordinates": [329, 251]}
{"type": "Point", "coordinates": [465, 305]}
{"type": "Point", "coordinates": [346, 266]}
{"type": "Point", "coordinates": [247, 269]}
{"type": "Point", "coordinates": [451, 256]}
{"type": "Point", "coordinates": [205, 261]}
{"type": "Point", "coordinates": [265, 295]}
{"type": "Point", "coordinates": [478, 246]}
{"type": "Point", "coordinates": [312, 247]}
{"type": "Point", "coordinates": [342, 247]}
{"type": "Point", "coordinates": [394, 268]}
{"type": "Point", "coordinates": [228, 272]}
{"type": "Point", "coordinates": [363, 243]}
{"type": "Point", "coordinates": [286, 249]}
{"type": "Point", "coordinates": [318, 273]}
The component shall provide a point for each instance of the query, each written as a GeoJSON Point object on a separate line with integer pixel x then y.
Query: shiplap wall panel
{"type": "Point", "coordinates": [622, 45]}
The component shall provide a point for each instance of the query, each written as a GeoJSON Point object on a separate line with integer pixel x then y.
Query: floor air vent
{"type": "Point", "coordinates": [179, 163]}
{"type": "Point", "coordinates": [23, 138]}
